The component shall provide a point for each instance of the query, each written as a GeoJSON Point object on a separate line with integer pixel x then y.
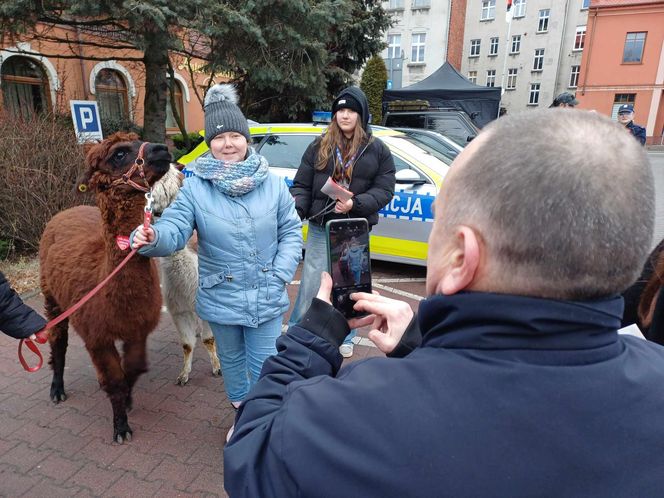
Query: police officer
{"type": "Point", "coordinates": [625, 117]}
{"type": "Point", "coordinates": [565, 99]}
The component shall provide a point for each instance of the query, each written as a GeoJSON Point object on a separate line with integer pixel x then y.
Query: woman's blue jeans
{"type": "Point", "coordinates": [315, 262]}
{"type": "Point", "coordinates": [242, 351]}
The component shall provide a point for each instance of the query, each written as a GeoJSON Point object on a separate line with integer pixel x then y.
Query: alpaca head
{"type": "Point", "coordinates": [107, 161]}
{"type": "Point", "coordinates": [166, 189]}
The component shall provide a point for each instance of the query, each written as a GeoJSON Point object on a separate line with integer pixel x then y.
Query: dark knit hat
{"type": "Point", "coordinates": [222, 113]}
{"type": "Point", "coordinates": [346, 101]}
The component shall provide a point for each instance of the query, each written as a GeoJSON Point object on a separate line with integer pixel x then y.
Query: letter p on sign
{"type": "Point", "coordinates": [85, 115]}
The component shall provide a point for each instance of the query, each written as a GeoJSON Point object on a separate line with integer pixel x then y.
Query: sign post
{"type": "Point", "coordinates": [87, 124]}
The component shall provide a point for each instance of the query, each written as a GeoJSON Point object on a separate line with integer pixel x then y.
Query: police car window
{"type": "Point", "coordinates": [400, 164]}
{"type": "Point", "coordinates": [433, 147]}
{"type": "Point", "coordinates": [285, 151]}
{"type": "Point", "coordinates": [256, 139]}
{"type": "Point", "coordinates": [405, 120]}
{"type": "Point", "coordinates": [449, 126]}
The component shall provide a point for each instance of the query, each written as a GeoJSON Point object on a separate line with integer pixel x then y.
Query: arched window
{"type": "Point", "coordinates": [24, 86]}
{"type": "Point", "coordinates": [112, 96]}
{"type": "Point", "coordinates": [171, 124]}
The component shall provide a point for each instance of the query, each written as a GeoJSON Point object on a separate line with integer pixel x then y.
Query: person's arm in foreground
{"type": "Point", "coordinates": [254, 463]}
{"type": "Point", "coordinates": [17, 319]}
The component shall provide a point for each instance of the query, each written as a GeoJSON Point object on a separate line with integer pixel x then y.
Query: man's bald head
{"type": "Point", "coordinates": [562, 201]}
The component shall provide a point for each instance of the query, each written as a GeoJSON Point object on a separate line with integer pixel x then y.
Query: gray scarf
{"type": "Point", "coordinates": [234, 179]}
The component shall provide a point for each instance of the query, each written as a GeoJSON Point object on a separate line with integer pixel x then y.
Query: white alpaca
{"type": "Point", "coordinates": [179, 283]}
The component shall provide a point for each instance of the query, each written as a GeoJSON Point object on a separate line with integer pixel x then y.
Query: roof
{"type": "Point", "coordinates": [447, 77]}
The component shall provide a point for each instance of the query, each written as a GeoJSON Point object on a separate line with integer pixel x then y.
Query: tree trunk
{"type": "Point", "coordinates": [156, 87]}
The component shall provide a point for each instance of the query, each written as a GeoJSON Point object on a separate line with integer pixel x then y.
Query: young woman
{"type": "Point", "coordinates": [249, 243]}
{"type": "Point", "coordinates": [356, 160]}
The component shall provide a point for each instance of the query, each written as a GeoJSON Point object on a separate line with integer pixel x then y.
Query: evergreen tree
{"type": "Point", "coordinates": [374, 80]}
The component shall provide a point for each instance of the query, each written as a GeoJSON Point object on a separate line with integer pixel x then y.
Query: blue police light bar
{"type": "Point", "coordinates": [321, 116]}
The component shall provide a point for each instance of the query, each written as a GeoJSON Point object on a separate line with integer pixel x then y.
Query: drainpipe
{"type": "Point", "coordinates": [590, 49]}
{"type": "Point", "coordinates": [560, 50]}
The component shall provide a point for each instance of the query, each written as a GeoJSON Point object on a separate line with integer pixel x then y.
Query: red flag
{"type": "Point", "coordinates": [509, 5]}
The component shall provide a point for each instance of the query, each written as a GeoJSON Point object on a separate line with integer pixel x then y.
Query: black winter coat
{"type": "Point", "coordinates": [17, 319]}
{"type": "Point", "coordinates": [372, 184]}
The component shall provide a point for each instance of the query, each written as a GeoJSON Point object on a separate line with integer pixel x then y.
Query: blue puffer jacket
{"type": "Point", "coordinates": [248, 248]}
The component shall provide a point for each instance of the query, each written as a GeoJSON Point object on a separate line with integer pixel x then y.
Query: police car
{"type": "Point", "coordinates": [403, 228]}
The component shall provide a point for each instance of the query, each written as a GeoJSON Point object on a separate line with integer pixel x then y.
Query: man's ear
{"type": "Point", "coordinates": [465, 260]}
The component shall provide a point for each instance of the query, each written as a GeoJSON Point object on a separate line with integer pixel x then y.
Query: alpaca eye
{"type": "Point", "coordinates": [120, 154]}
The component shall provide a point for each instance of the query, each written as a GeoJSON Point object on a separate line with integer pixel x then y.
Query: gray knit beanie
{"type": "Point", "coordinates": [222, 113]}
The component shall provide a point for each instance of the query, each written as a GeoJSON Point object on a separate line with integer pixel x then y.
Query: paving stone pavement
{"type": "Point", "coordinates": [67, 450]}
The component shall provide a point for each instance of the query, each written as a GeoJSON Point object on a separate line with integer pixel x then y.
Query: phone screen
{"type": "Point", "coordinates": [349, 262]}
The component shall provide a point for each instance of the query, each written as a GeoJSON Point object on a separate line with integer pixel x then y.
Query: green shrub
{"type": "Point", "coordinates": [113, 125]}
{"type": "Point", "coordinates": [179, 143]}
{"type": "Point", "coordinates": [373, 83]}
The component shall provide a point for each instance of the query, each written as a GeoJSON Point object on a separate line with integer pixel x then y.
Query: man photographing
{"type": "Point", "coordinates": [521, 385]}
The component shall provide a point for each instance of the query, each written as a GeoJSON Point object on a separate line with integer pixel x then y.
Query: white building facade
{"type": "Point", "coordinates": [417, 42]}
{"type": "Point", "coordinates": [534, 58]}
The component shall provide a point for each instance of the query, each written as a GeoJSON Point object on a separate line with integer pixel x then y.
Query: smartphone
{"type": "Point", "coordinates": [349, 262]}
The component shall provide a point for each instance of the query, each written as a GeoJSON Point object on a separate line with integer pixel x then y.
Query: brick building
{"type": "Point", "coordinates": [624, 61]}
{"type": "Point", "coordinates": [33, 79]}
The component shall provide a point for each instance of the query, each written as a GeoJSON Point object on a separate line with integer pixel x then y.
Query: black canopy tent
{"type": "Point", "coordinates": [447, 88]}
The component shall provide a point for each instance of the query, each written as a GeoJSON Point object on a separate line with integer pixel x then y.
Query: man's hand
{"type": "Point", "coordinates": [142, 237]}
{"type": "Point", "coordinates": [389, 319]}
{"type": "Point", "coordinates": [325, 289]}
{"type": "Point", "coordinates": [343, 207]}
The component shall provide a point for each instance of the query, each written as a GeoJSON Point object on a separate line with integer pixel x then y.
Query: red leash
{"type": "Point", "coordinates": [41, 336]}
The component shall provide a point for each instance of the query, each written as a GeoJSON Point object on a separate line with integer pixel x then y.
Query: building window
{"type": "Point", "coordinates": [493, 46]}
{"type": "Point", "coordinates": [580, 37]}
{"type": "Point", "coordinates": [171, 123]}
{"type": "Point", "coordinates": [511, 78]}
{"type": "Point", "coordinates": [533, 96]}
{"type": "Point", "coordinates": [419, 4]}
{"type": "Point", "coordinates": [620, 99]}
{"type": "Point", "coordinates": [472, 76]}
{"type": "Point", "coordinates": [417, 54]}
{"type": "Point", "coordinates": [574, 76]}
{"type": "Point", "coordinates": [491, 77]}
{"type": "Point", "coordinates": [395, 4]}
{"type": "Point", "coordinates": [543, 23]}
{"type": "Point", "coordinates": [111, 95]}
{"type": "Point", "coordinates": [634, 44]}
{"type": "Point", "coordinates": [585, 4]}
{"type": "Point", "coordinates": [516, 44]}
{"type": "Point", "coordinates": [538, 61]}
{"type": "Point", "coordinates": [475, 48]}
{"type": "Point", "coordinates": [393, 46]}
{"type": "Point", "coordinates": [488, 10]}
{"type": "Point", "coordinates": [519, 7]}
{"type": "Point", "coordinates": [24, 86]}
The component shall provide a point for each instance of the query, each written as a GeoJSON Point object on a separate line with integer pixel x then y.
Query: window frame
{"type": "Point", "coordinates": [488, 12]}
{"type": "Point", "coordinates": [179, 100]}
{"type": "Point", "coordinates": [574, 76]}
{"type": "Point", "coordinates": [472, 76]}
{"type": "Point", "coordinates": [538, 60]}
{"type": "Point", "coordinates": [543, 20]}
{"type": "Point", "coordinates": [392, 47]}
{"type": "Point", "coordinates": [579, 38]}
{"type": "Point", "coordinates": [519, 9]}
{"type": "Point", "coordinates": [418, 48]}
{"type": "Point", "coordinates": [491, 78]}
{"type": "Point", "coordinates": [532, 91]}
{"type": "Point", "coordinates": [512, 74]}
{"type": "Point", "coordinates": [643, 46]}
{"type": "Point", "coordinates": [42, 83]}
{"type": "Point", "coordinates": [101, 89]}
{"type": "Point", "coordinates": [516, 40]}
{"type": "Point", "coordinates": [494, 43]}
{"type": "Point", "coordinates": [474, 45]}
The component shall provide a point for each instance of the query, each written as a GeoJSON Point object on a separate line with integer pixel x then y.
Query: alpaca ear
{"type": "Point", "coordinates": [82, 184]}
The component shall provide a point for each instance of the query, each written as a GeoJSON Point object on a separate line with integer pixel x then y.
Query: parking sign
{"type": "Point", "coordinates": [85, 115]}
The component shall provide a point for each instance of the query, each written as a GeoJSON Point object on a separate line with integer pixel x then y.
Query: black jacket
{"type": "Point", "coordinates": [17, 319]}
{"type": "Point", "coordinates": [372, 183]}
{"type": "Point", "coordinates": [639, 132]}
{"type": "Point", "coordinates": [506, 396]}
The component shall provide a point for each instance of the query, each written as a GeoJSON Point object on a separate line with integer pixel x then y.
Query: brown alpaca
{"type": "Point", "coordinates": [78, 249]}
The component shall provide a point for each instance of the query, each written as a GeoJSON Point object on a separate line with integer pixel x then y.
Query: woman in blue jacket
{"type": "Point", "coordinates": [249, 242]}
